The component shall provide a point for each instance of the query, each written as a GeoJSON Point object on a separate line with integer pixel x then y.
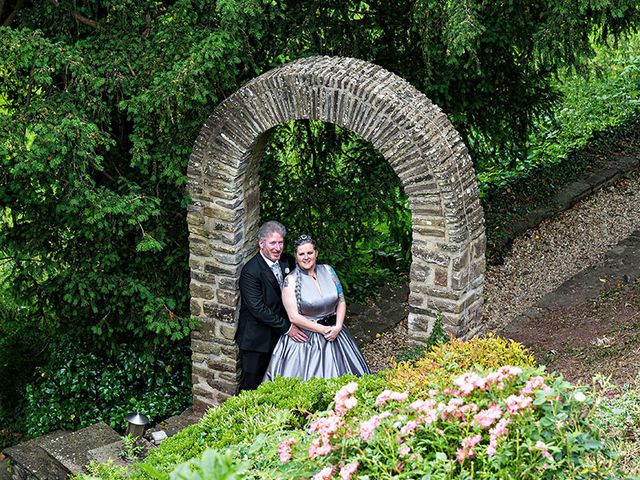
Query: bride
{"type": "Point", "coordinates": [314, 300]}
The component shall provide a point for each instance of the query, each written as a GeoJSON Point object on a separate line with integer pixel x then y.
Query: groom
{"type": "Point", "coordinates": [263, 318]}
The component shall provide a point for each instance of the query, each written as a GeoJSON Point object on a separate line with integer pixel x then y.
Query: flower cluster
{"type": "Point", "coordinates": [344, 399]}
{"type": "Point", "coordinates": [285, 450]}
{"type": "Point", "coordinates": [471, 418]}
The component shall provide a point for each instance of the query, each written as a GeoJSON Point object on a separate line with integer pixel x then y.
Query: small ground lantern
{"type": "Point", "coordinates": [136, 424]}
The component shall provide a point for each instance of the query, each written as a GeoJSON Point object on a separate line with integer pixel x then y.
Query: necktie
{"type": "Point", "coordinates": [277, 272]}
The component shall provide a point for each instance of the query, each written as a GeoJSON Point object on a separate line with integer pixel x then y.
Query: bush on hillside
{"type": "Point", "coordinates": [470, 414]}
{"type": "Point", "coordinates": [438, 363]}
{"type": "Point", "coordinates": [508, 422]}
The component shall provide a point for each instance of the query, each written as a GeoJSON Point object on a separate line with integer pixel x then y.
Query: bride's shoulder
{"type": "Point", "coordinates": [289, 281]}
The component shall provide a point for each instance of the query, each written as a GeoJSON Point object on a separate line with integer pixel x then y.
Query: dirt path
{"type": "Point", "coordinates": [591, 323]}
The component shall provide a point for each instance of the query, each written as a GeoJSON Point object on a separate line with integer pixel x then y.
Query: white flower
{"type": "Point", "coordinates": [579, 397]}
{"type": "Point", "coordinates": [286, 271]}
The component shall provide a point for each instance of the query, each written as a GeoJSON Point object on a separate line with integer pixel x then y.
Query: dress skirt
{"type": "Point", "coordinates": [316, 357]}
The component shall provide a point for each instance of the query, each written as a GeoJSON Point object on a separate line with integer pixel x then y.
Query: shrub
{"type": "Point", "coordinates": [618, 420]}
{"type": "Point", "coordinates": [77, 389]}
{"type": "Point", "coordinates": [508, 422]}
{"type": "Point", "coordinates": [24, 339]}
{"type": "Point", "coordinates": [455, 357]}
{"type": "Point", "coordinates": [437, 336]}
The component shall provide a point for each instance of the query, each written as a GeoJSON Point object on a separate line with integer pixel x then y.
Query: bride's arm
{"type": "Point", "coordinates": [341, 308]}
{"type": "Point", "coordinates": [291, 306]}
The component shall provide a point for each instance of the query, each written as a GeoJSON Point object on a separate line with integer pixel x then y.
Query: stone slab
{"type": "Point", "coordinates": [70, 451]}
{"type": "Point", "coordinates": [113, 451]}
{"type": "Point", "coordinates": [30, 461]}
{"type": "Point", "coordinates": [173, 425]}
{"type": "Point", "coordinates": [620, 264]}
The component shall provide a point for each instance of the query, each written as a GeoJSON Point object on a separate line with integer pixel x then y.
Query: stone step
{"type": "Point", "coordinates": [113, 452]}
{"type": "Point", "coordinates": [71, 451]}
{"type": "Point", "coordinates": [57, 455]}
{"type": "Point", "coordinates": [173, 425]}
{"type": "Point", "coordinates": [30, 462]}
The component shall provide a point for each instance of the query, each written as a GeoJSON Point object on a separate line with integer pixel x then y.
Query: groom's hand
{"type": "Point", "coordinates": [296, 334]}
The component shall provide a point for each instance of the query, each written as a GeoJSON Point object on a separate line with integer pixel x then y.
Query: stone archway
{"type": "Point", "coordinates": [412, 133]}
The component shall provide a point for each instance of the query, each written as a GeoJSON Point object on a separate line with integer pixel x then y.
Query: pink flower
{"type": "Point", "coordinates": [468, 382]}
{"type": "Point", "coordinates": [496, 433]}
{"type": "Point", "coordinates": [486, 418]}
{"type": "Point", "coordinates": [326, 426]}
{"type": "Point", "coordinates": [324, 474]}
{"type": "Point", "coordinates": [451, 391]}
{"type": "Point", "coordinates": [452, 409]}
{"type": "Point", "coordinates": [348, 470]}
{"type": "Point", "coordinates": [517, 402]}
{"type": "Point", "coordinates": [319, 447]}
{"type": "Point", "coordinates": [404, 451]}
{"type": "Point", "coordinates": [468, 445]}
{"type": "Point", "coordinates": [349, 389]}
{"type": "Point", "coordinates": [387, 395]}
{"type": "Point", "coordinates": [534, 383]}
{"type": "Point", "coordinates": [543, 449]}
{"type": "Point", "coordinates": [344, 399]}
{"type": "Point", "coordinates": [408, 428]}
{"type": "Point", "coordinates": [428, 410]}
{"type": "Point", "coordinates": [368, 426]}
{"type": "Point", "coordinates": [423, 405]}
{"type": "Point", "coordinates": [469, 408]}
{"type": "Point", "coordinates": [500, 430]}
{"type": "Point", "coordinates": [285, 450]}
{"type": "Point", "coordinates": [510, 371]}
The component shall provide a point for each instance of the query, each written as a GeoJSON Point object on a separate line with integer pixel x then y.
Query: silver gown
{"type": "Point", "coordinates": [317, 357]}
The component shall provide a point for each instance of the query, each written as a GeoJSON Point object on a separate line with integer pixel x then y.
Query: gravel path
{"type": "Point", "coordinates": [542, 259]}
{"type": "Point", "coordinates": [545, 257]}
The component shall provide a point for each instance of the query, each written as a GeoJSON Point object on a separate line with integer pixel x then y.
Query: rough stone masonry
{"type": "Point", "coordinates": [412, 133]}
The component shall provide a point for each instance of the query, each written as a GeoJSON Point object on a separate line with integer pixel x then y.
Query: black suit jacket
{"type": "Point", "coordinates": [263, 318]}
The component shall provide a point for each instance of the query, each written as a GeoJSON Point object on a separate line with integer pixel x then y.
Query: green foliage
{"type": "Point", "coordinates": [618, 419]}
{"type": "Point", "coordinates": [212, 465]}
{"type": "Point", "coordinates": [76, 389]}
{"type": "Point", "coordinates": [330, 183]}
{"type": "Point", "coordinates": [23, 347]}
{"type": "Point", "coordinates": [244, 436]}
{"type": "Point", "coordinates": [437, 337]}
{"type": "Point", "coordinates": [105, 471]}
{"type": "Point", "coordinates": [131, 448]}
{"type": "Point", "coordinates": [501, 423]}
{"type": "Point", "coordinates": [601, 94]}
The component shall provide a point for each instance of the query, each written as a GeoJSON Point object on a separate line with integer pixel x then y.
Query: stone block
{"type": "Point", "coordinates": [440, 277]}
{"type": "Point", "coordinates": [70, 451]}
{"type": "Point", "coordinates": [199, 290]}
{"type": "Point", "coordinates": [207, 348]}
{"type": "Point", "coordinates": [195, 307]}
{"type": "Point", "coordinates": [230, 388]}
{"type": "Point", "coordinates": [222, 364]}
{"type": "Point", "coordinates": [227, 331]}
{"type": "Point", "coordinates": [228, 298]}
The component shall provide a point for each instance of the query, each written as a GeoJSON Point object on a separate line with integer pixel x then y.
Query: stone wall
{"type": "Point", "coordinates": [411, 132]}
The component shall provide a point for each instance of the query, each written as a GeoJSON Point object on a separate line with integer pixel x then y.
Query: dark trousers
{"type": "Point", "coordinates": [254, 365]}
